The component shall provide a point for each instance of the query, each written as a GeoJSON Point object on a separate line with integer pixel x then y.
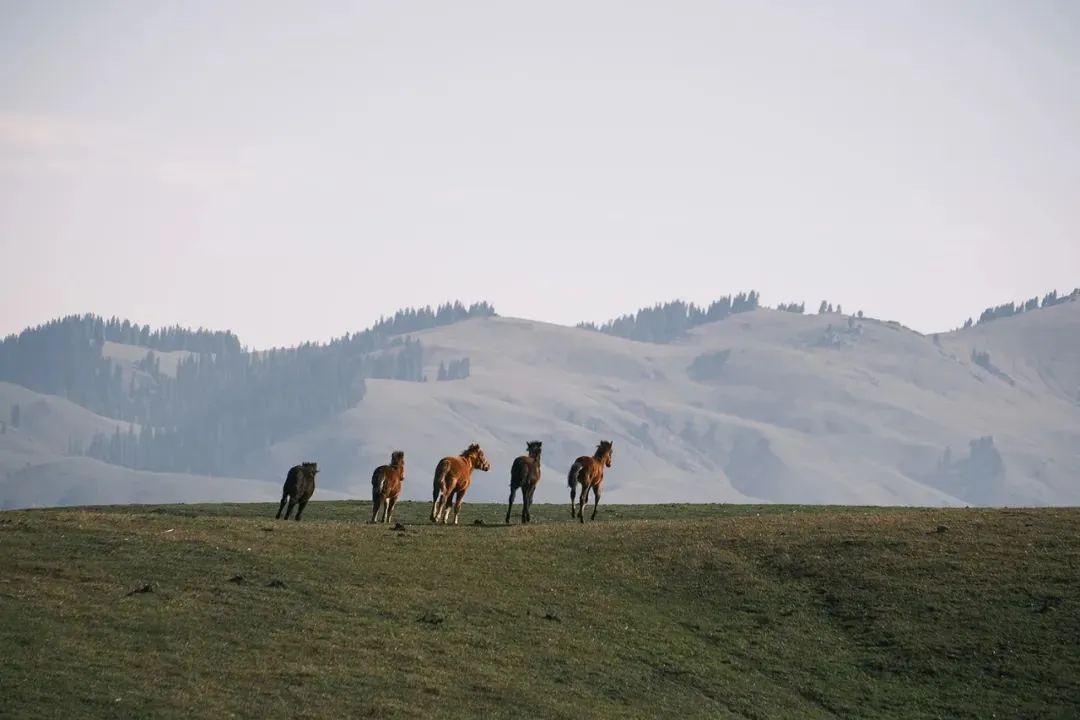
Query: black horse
{"type": "Point", "coordinates": [298, 489]}
{"type": "Point", "coordinates": [525, 475]}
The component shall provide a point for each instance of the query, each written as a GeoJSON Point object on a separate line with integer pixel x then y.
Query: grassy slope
{"type": "Point", "coordinates": [653, 611]}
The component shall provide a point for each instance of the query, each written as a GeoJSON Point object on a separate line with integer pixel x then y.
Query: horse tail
{"type": "Point", "coordinates": [442, 470]}
{"type": "Point", "coordinates": [572, 475]}
{"type": "Point", "coordinates": [517, 471]}
{"type": "Point", "coordinates": [438, 485]}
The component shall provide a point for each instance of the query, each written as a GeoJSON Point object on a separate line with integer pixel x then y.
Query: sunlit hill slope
{"type": "Point", "coordinates": [763, 406]}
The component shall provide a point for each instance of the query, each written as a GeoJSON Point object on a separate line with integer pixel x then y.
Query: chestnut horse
{"type": "Point", "coordinates": [298, 489]}
{"type": "Point", "coordinates": [589, 471]}
{"type": "Point", "coordinates": [525, 474]}
{"type": "Point", "coordinates": [452, 477]}
{"type": "Point", "coordinates": [386, 486]}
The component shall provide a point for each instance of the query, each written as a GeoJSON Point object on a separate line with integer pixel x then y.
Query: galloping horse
{"type": "Point", "coordinates": [452, 477]}
{"type": "Point", "coordinates": [589, 471]}
{"type": "Point", "coordinates": [525, 474]}
{"type": "Point", "coordinates": [386, 486]}
{"type": "Point", "coordinates": [298, 489]}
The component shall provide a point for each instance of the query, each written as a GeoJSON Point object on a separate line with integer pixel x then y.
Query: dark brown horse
{"type": "Point", "coordinates": [298, 489]}
{"type": "Point", "coordinates": [386, 486]}
{"type": "Point", "coordinates": [452, 477]}
{"type": "Point", "coordinates": [525, 475]}
{"type": "Point", "coordinates": [589, 472]}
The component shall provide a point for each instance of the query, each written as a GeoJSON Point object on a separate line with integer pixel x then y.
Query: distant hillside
{"type": "Point", "coordinates": [197, 401]}
{"type": "Point", "coordinates": [769, 406]}
{"type": "Point", "coordinates": [730, 403]}
{"type": "Point", "coordinates": [666, 322]}
{"type": "Point", "coordinates": [66, 481]}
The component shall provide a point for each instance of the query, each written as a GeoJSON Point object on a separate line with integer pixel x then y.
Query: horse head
{"type": "Point", "coordinates": [604, 451]}
{"type": "Point", "coordinates": [476, 455]}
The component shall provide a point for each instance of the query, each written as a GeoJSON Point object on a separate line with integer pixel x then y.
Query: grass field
{"type": "Point", "coordinates": [652, 611]}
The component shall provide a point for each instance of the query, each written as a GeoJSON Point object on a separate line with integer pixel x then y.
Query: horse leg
{"type": "Point", "coordinates": [289, 509]}
{"type": "Point", "coordinates": [573, 494]}
{"type": "Point", "coordinates": [435, 496]}
{"type": "Point", "coordinates": [595, 499]}
{"type": "Point", "coordinates": [526, 505]}
{"type": "Point", "coordinates": [284, 499]}
{"type": "Point", "coordinates": [459, 496]}
{"type": "Point", "coordinates": [513, 492]}
{"type": "Point", "coordinates": [300, 509]}
{"type": "Point", "coordinates": [583, 501]}
{"type": "Point", "coordinates": [375, 505]}
{"type": "Point", "coordinates": [389, 514]}
{"type": "Point", "coordinates": [442, 506]}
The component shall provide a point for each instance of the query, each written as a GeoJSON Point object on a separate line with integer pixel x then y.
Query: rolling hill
{"type": "Point", "coordinates": [762, 406]}
{"type": "Point", "coordinates": [767, 406]}
{"type": "Point", "coordinates": [37, 470]}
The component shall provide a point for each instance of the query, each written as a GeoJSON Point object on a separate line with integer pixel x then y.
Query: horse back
{"type": "Point", "coordinates": [377, 476]}
{"type": "Point", "coordinates": [591, 469]}
{"type": "Point", "coordinates": [445, 470]}
{"type": "Point", "coordinates": [456, 470]}
{"type": "Point", "coordinates": [305, 485]}
{"type": "Point", "coordinates": [519, 470]}
{"type": "Point", "coordinates": [524, 471]}
{"type": "Point", "coordinates": [387, 478]}
{"type": "Point", "coordinates": [292, 478]}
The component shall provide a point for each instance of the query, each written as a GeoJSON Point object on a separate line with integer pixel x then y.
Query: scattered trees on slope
{"type": "Point", "coordinates": [979, 478]}
{"type": "Point", "coordinates": [1015, 308]}
{"type": "Point", "coordinates": [224, 404]}
{"type": "Point", "coordinates": [456, 370]}
{"type": "Point", "coordinates": [665, 322]}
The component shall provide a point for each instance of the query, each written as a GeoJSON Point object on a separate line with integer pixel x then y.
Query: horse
{"type": "Point", "coordinates": [525, 474]}
{"type": "Point", "coordinates": [386, 483]}
{"type": "Point", "coordinates": [589, 472]}
{"type": "Point", "coordinates": [452, 477]}
{"type": "Point", "coordinates": [298, 489]}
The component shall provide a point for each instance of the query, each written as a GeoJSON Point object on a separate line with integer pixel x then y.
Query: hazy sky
{"type": "Point", "coordinates": [292, 170]}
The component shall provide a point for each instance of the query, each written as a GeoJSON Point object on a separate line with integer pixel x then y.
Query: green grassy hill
{"type": "Point", "coordinates": [653, 611]}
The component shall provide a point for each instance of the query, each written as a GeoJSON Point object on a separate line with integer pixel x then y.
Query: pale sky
{"type": "Point", "coordinates": [293, 170]}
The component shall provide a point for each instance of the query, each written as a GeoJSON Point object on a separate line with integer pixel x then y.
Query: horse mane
{"type": "Point", "coordinates": [397, 458]}
{"type": "Point", "coordinates": [471, 450]}
{"type": "Point", "coordinates": [603, 449]}
{"type": "Point", "coordinates": [533, 448]}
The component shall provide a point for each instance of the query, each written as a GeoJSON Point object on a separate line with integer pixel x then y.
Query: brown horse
{"type": "Point", "coordinates": [589, 472]}
{"type": "Point", "coordinates": [452, 477]}
{"type": "Point", "coordinates": [298, 489]}
{"type": "Point", "coordinates": [386, 486]}
{"type": "Point", "coordinates": [525, 474]}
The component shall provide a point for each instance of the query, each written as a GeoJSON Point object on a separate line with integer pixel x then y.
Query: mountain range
{"type": "Point", "coordinates": [731, 403]}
